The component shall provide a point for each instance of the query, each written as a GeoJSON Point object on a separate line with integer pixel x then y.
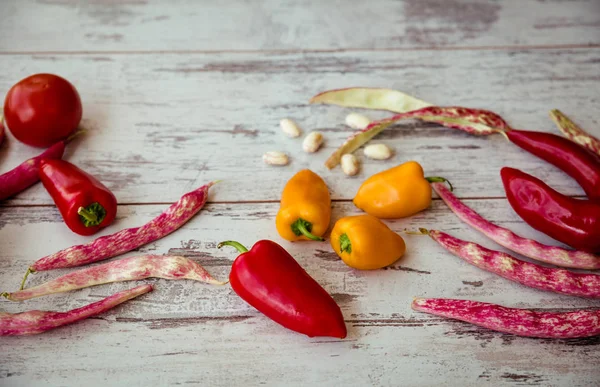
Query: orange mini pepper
{"type": "Point", "coordinates": [397, 192]}
{"type": "Point", "coordinates": [305, 209]}
{"type": "Point", "coordinates": [366, 243]}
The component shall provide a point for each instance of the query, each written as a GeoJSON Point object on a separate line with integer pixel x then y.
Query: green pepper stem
{"type": "Point", "coordinates": [89, 216]}
{"type": "Point", "coordinates": [240, 247]}
{"type": "Point", "coordinates": [92, 215]}
{"type": "Point", "coordinates": [438, 179]}
{"type": "Point", "coordinates": [345, 244]}
{"type": "Point", "coordinates": [302, 227]}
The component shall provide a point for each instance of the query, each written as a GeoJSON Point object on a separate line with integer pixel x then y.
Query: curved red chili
{"type": "Point", "coordinates": [571, 221]}
{"type": "Point", "coordinates": [574, 160]}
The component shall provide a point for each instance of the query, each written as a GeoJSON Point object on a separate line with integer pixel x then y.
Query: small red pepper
{"type": "Point", "coordinates": [566, 155]}
{"type": "Point", "coordinates": [85, 204]}
{"type": "Point", "coordinates": [568, 220]}
{"type": "Point", "coordinates": [269, 278]}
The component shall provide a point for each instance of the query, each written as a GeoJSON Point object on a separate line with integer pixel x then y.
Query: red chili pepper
{"type": "Point", "coordinates": [571, 221]}
{"type": "Point", "coordinates": [574, 160]}
{"type": "Point", "coordinates": [85, 204]}
{"type": "Point", "coordinates": [269, 278]}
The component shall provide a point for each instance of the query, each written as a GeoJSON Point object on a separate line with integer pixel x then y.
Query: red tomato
{"type": "Point", "coordinates": [42, 109]}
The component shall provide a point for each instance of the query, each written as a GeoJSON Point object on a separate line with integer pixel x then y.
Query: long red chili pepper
{"type": "Point", "coordinates": [269, 279]}
{"type": "Point", "coordinates": [569, 220]}
{"type": "Point", "coordinates": [85, 204]}
{"type": "Point", "coordinates": [128, 239]}
{"type": "Point", "coordinates": [36, 321]}
{"type": "Point", "coordinates": [573, 159]}
{"type": "Point", "coordinates": [520, 322]}
{"type": "Point", "coordinates": [27, 174]}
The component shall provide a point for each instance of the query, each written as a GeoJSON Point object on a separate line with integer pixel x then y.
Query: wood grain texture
{"type": "Point", "coordinates": [141, 25]}
{"type": "Point", "coordinates": [185, 325]}
{"type": "Point", "coordinates": [161, 125]}
{"type": "Point", "coordinates": [178, 93]}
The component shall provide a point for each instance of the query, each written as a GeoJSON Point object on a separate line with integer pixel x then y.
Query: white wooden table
{"type": "Point", "coordinates": [179, 93]}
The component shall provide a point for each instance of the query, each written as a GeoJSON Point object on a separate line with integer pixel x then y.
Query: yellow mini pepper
{"type": "Point", "coordinates": [397, 192]}
{"type": "Point", "coordinates": [305, 209]}
{"type": "Point", "coordinates": [366, 243]}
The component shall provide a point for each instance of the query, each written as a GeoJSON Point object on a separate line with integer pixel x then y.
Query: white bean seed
{"type": "Point", "coordinates": [275, 158]}
{"type": "Point", "coordinates": [378, 151]}
{"type": "Point", "coordinates": [289, 127]}
{"type": "Point", "coordinates": [312, 142]}
{"type": "Point", "coordinates": [357, 121]}
{"type": "Point", "coordinates": [349, 164]}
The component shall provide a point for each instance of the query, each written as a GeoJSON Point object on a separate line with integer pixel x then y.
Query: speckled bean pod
{"type": "Point", "coordinates": [574, 133]}
{"type": "Point", "coordinates": [26, 174]}
{"type": "Point", "coordinates": [521, 322]}
{"type": "Point", "coordinates": [129, 239]}
{"type": "Point", "coordinates": [127, 269]}
{"type": "Point", "coordinates": [550, 254]}
{"type": "Point", "coordinates": [529, 274]}
{"type": "Point", "coordinates": [473, 121]}
{"type": "Point", "coordinates": [36, 321]}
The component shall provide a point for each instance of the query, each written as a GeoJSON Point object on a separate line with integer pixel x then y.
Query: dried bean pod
{"type": "Point", "coordinates": [573, 132]}
{"type": "Point", "coordinates": [473, 121]}
{"type": "Point", "coordinates": [550, 254]}
{"type": "Point", "coordinates": [129, 239]}
{"type": "Point", "coordinates": [36, 321]}
{"type": "Point", "coordinates": [520, 322]}
{"type": "Point", "coordinates": [127, 269]}
{"type": "Point", "coordinates": [528, 274]}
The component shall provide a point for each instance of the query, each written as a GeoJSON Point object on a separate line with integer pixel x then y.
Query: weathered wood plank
{"type": "Point", "coordinates": [161, 125]}
{"type": "Point", "coordinates": [185, 326]}
{"type": "Point", "coordinates": [139, 25]}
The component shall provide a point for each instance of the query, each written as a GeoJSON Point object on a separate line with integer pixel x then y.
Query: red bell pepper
{"type": "Point", "coordinates": [269, 278]}
{"type": "Point", "coordinates": [571, 221]}
{"type": "Point", "coordinates": [85, 204]}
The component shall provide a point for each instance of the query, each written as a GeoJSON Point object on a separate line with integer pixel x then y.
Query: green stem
{"type": "Point", "coordinates": [89, 216]}
{"type": "Point", "coordinates": [302, 227]}
{"type": "Point", "coordinates": [29, 271]}
{"type": "Point", "coordinates": [92, 215]}
{"type": "Point", "coordinates": [240, 247]}
{"type": "Point", "coordinates": [438, 179]}
{"type": "Point", "coordinates": [345, 244]}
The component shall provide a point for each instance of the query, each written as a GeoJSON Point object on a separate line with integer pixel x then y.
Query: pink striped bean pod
{"type": "Point", "coordinates": [473, 121]}
{"type": "Point", "coordinates": [574, 133]}
{"type": "Point", "coordinates": [550, 254]}
{"type": "Point", "coordinates": [36, 321]}
{"type": "Point", "coordinates": [129, 239]}
{"type": "Point", "coordinates": [520, 322]}
{"type": "Point", "coordinates": [126, 269]}
{"type": "Point", "coordinates": [529, 274]}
